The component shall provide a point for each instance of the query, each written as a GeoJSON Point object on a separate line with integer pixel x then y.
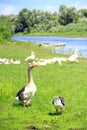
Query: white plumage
{"type": "Point", "coordinates": [73, 57]}
{"type": "Point", "coordinates": [15, 61]}
{"type": "Point", "coordinates": [27, 92]}
{"type": "Point", "coordinates": [31, 58]}
{"type": "Point", "coordinates": [59, 103]}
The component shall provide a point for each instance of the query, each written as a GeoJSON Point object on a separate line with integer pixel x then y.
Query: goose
{"type": "Point", "coordinates": [7, 61]}
{"type": "Point", "coordinates": [2, 60]}
{"type": "Point", "coordinates": [73, 57]}
{"type": "Point", "coordinates": [28, 91]}
{"type": "Point", "coordinates": [15, 61]}
{"type": "Point", "coordinates": [31, 57]}
{"type": "Point", "coordinates": [58, 103]}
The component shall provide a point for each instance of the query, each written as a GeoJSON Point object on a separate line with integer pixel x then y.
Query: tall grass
{"type": "Point", "coordinates": [68, 80]}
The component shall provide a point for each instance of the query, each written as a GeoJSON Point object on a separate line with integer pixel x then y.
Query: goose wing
{"type": "Point", "coordinates": [19, 95]}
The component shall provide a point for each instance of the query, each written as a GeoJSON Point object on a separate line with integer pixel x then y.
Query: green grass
{"type": "Point", "coordinates": [68, 80]}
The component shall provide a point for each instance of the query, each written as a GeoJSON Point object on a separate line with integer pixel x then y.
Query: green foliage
{"type": "Point", "coordinates": [72, 30]}
{"type": "Point", "coordinates": [82, 20]}
{"type": "Point", "coordinates": [23, 20]}
{"type": "Point", "coordinates": [68, 22]}
{"type": "Point", "coordinates": [40, 21]}
{"type": "Point", "coordinates": [36, 20]}
{"type": "Point", "coordinates": [68, 80]}
{"type": "Point", "coordinates": [67, 15]}
{"type": "Point", "coordinates": [6, 27]}
{"type": "Point", "coordinates": [83, 12]}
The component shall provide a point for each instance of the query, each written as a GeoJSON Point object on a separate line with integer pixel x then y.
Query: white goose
{"type": "Point", "coordinates": [73, 57]}
{"type": "Point", "coordinates": [59, 103]}
{"type": "Point", "coordinates": [31, 57]}
{"type": "Point", "coordinates": [27, 92]}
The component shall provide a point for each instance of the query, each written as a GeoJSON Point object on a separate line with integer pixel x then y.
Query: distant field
{"type": "Point", "coordinates": [68, 80]}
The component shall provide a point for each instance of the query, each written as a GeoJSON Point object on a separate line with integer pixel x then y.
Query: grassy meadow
{"type": "Point", "coordinates": [68, 80]}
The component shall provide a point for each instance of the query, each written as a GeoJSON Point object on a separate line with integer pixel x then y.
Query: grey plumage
{"type": "Point", "coordinates": [58, 103]}
{"type": "Point", "coordinates": [27, 92]}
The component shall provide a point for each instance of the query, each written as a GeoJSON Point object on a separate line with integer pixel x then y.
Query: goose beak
{"type": "Point", "coordinates": [33, 64]}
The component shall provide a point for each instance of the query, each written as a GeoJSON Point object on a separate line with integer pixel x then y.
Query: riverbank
{"type": "Point", "coordinates": [68, 44]}
{"type": "Point", "coordinates": [50, 80]}
{"type": "Point", "coordinates": [62, 34]}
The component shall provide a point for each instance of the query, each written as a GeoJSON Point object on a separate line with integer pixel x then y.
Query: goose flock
{"type": "Point", "coordinates": [9, 61]}
{"type": "Point", "coordinates": [73, 58]}
{"type": "Point", "coordinates": [27, 92]}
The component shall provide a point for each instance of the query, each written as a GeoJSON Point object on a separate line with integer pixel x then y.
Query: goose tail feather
{"type": "Point", "coordinates": [17, 98]}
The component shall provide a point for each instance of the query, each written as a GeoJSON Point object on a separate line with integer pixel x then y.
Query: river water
{"type": "Point", "coordinates": [71, 43]}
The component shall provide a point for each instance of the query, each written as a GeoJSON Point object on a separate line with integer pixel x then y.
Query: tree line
{"type": "Point", "coordinates": [28, 21]}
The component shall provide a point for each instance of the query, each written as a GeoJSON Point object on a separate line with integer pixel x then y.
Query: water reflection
{"type": "Point", "coordinates": [71, 43]}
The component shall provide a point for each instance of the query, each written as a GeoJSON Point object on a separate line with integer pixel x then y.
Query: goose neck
{"type": "Point", "coordinates": [30, 77]}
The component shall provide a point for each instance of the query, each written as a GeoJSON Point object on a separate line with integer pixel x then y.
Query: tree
{"type": "Point", "coordinates": [83, 12]}
{"type": "Point", "coordinates": [62, 14]}
{"type": "Point", "coordinates": [67, 15]}
{"type": "Point", "coordinates": [6, 27]}
{"type": "Point", "coordinates": [23, 20]}
{"type": "Point", "coordinates": [72, 15]}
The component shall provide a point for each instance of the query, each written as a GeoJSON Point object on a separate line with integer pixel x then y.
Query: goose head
{"type": "Point", "coordinates": [33, 64]}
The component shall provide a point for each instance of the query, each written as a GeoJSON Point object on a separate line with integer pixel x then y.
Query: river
{"type": "Point", "coordinates": [71, 43]}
